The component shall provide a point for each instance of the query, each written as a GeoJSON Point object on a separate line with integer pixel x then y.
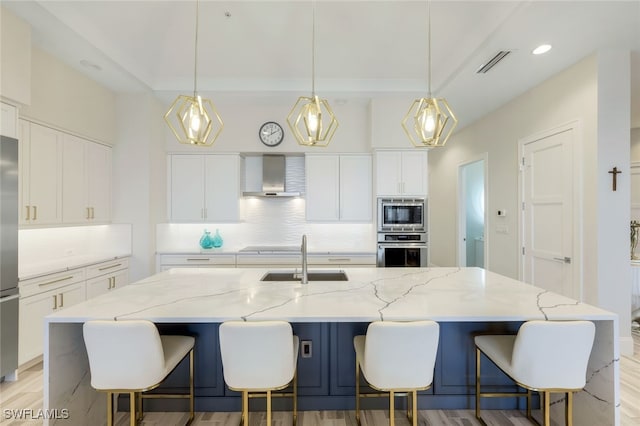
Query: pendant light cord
{"type": "Point", "coordinates": [313, 49]}
{"type": "Point", "coordinates": [428, 48]}
{"type": "Point", "coordinates": [195, 64]}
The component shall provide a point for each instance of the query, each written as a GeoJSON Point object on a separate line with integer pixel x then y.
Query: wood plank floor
{"type": "Point", "coordinates": [27, 393]}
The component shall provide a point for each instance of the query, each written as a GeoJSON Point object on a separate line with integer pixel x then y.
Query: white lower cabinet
{"type": "Point", "coordinates": [105, 277]}
{"type": "Point", "coordinates": [170, 261]}
{"type": "Point", "coordinates": [47, 294]}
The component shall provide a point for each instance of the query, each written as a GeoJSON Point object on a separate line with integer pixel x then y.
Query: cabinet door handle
{"type": "Point", "coordinates": [88, 214]}
{"type": "Point", "coordinates": [61, 300]}
{"type": "Point", "coordinates": [35, 212]}
{"type": "Point", "coordinates": [55, 281]}
{"type": "Point", "coordinates": [110, 266]}
{"type": "Point", "coordinates": [28, 213]}
{"type": "Point", "coordinates": [55, 302]}
{"type": "Point", "coordinates": [197, 260]}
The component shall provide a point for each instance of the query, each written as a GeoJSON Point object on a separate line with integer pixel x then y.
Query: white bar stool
{"type": "Point", "coordinates": [258, 358]}
{"type": "Point", "coordinates": [545, 356]}
{"type": "Point", "coordinates": [396, 357]}
{"type": "Point", "coordinates": [131, 357]}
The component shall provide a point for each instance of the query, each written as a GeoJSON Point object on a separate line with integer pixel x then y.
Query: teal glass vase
{"type": "Point", "coordinates": [206, 241]}
{"type": "Point", "coordinates": [217, 240]}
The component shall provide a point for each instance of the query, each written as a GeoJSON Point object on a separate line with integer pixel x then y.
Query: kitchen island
{"type": "Point", "coordinates": [462, 300]}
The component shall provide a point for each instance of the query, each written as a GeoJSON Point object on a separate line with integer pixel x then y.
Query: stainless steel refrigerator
{"type": "Point", "coordinates": [8, 256]}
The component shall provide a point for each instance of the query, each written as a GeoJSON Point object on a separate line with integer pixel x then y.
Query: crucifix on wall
{"type": "Point", "coordinates": [615, 172]}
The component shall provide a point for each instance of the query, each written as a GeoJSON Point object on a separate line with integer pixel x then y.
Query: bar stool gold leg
{"type": "Point", "coordinates": [295, 398]}
{"type": "Point", "coordinates": [191, 391]}
{"type": "Point", "coordinates": [268, 408]}
{"type": "Point", "coordinates": [109, 409]}
{"type": "Point", "coordinates": [139, 413]}
{"type": "Point", "coordinates": [414, 414]}
{"type": "Point", "coordinates": [547, 397]}
{"type": "Point", "coordinates": [529, 404]}
{"type": "Point", "coordinates": [569, 409]}
{"type": "Point", "coordinates": [357, 393]}
{"type": "Point", "coordinates": [477, 383]}
{"type": "Point", "coordinates": [132, 408]}
{"type": "Point", "coordinates": [245, 408]}
{"type": "Point", "coordinates": [392, 409]}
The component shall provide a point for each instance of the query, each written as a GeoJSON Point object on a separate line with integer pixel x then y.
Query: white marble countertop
{"type": "Point", "coordinates": [33, 270]}
{"type": "Point", "coordinates": [220, 294]}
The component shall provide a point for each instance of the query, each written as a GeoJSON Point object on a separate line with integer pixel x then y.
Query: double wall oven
{"type": "Point", "coordinates": [402, 232]}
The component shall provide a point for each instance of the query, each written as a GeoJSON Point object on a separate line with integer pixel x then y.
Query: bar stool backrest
{"type": "Point", "coordinates": [124, 354]}
{"type": "Point", "coordinates": [552, 354]}
{"type": "Point", "coordinates": [257, 355]}
{"type": "Point", "coordinates": [401, 355]}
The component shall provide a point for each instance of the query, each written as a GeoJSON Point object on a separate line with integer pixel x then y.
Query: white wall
{"type": "Point", "coordinates": [139, 187]}
{"type": "Point", "coordinates": [15, 58]}
{"type": "Point", "coordinates": [66, 99]}
{"type": "Point", "coordinates": [243, 115]}
{"type": "Point", "coordinates": [568, 96]}
{"type": "Point", "coordinates": [590, 93]}
{"type": "Point", "coordinates": [613, 207]}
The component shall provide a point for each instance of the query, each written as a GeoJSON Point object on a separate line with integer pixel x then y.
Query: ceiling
{"type": "Point", "coordinates": [363, 48]}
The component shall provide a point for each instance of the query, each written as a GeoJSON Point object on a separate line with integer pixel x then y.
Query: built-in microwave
{"type": "Point", "coordinates": [402, 214]}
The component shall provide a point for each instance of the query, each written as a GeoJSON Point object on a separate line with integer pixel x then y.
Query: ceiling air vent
{"type": "Point", "coordinates": [493, 61]}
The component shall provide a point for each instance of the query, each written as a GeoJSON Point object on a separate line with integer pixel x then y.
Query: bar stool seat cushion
{"type": "Point", "coordinates": [246, 349]}
{"type": "Point", "coordinates": [398, 355]}
{"type": "Point", "coordinates": [131, 354]}
{"type": "Point", "coordinates": [544, 354]}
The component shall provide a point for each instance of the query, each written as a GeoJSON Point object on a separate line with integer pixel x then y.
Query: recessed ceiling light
{"type": "Point", "coordinates": [543, 48]}
{"type": "Point", "coordinates": [88, 64]}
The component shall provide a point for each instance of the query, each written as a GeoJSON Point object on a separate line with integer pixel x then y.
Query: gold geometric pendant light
{"type": "Point", "coordinates": [192, 119]}
{"type": "Point", "coordinates": [429, 121]}
{"type": "Point", "coordinates": [311, 119]}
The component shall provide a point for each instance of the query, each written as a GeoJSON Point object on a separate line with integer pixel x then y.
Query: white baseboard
{"type": "Point", "coordinates": [626, 346]}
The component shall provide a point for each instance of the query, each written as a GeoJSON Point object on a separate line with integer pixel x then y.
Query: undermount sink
{"type": "Point", "coordinates": [312, 276]}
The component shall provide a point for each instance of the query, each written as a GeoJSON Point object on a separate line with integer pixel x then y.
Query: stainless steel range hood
{"type": "Point", "coordinates": [273, 178]}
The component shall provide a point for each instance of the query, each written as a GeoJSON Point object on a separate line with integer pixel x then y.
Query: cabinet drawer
{"type": "Point", "coordinates": [198, 260]}
{"type": "Point", "coordinates": [106, 267]}
{"type": "Point", "coordinates": [50, 282]}
{"type": "Point", "coordinates": [344, 260]}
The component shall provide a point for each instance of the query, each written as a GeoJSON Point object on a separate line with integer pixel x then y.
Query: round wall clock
{"type": "Point", "coordinates": [271, 133]}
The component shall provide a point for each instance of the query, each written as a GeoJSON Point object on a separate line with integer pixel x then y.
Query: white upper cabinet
{"type": "Point", "coordinates": [204, 188]}
{"type": "Point", "coordinates": [402, 173]}
{"type": "Point", "coordinates": [98, 175]}
{"type": "Point", "coordinates": [322, 176]}
{"type": "Point", "coordinates": [40, 175]}
{"type": "Point", "coordinates": [8, 120]}
{"type": "Point", "coordinates": [338, 188]}
{"type": "Point", "coordinates": [86, 181]}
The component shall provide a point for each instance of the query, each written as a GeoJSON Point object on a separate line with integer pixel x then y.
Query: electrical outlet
{"type": "Point", "coordinates": [306, 349]}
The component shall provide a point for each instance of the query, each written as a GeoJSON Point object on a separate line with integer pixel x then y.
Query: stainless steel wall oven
{"type": "Point", "coordinates": [402, 236]}
{"type": "Point", "coordinates": [401, 214]}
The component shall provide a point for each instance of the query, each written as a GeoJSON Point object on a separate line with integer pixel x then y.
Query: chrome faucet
{"type": "Point", "coordinates": [303, 249]}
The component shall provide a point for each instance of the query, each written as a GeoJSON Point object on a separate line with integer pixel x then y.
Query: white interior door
{"type": "Point", "coordinates": [547, 214]}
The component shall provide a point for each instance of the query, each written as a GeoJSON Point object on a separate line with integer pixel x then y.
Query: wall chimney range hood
{"type": "Point", "coordinates": [273, 178]}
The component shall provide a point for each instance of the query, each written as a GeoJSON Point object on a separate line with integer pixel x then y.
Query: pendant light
{"type": "Point", "coordinates": [311, 119]}
{"type": "Point", "coordinates": [192, 119]}
{"type": "Point", "coordinates": [429, 121]}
